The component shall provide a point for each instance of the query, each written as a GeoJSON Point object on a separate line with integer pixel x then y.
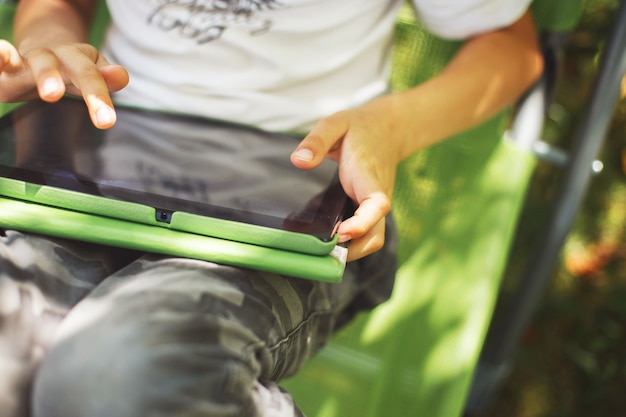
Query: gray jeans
{"type": "Point", "coordinates": [100, 332]}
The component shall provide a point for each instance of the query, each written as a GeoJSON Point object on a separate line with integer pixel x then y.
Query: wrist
{"type": "Point", "coordinates": [411, 128]}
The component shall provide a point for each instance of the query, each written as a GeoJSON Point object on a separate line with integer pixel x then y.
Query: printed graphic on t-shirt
{"type": "Point", "coordinates": [206, 20]}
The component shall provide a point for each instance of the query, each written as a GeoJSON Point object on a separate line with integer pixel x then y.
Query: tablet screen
{"type": "Point", "coordinates": [172, 163]}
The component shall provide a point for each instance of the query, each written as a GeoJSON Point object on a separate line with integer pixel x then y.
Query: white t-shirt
{"type": "Point", "coordinates": [276, 64]}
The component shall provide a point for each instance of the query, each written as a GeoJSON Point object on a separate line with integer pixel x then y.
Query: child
{"type": "Point", "coordinates": [137, 335]}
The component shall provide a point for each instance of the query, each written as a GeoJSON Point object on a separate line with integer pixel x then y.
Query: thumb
{"type": "Point", "coordinates": [324, 138]}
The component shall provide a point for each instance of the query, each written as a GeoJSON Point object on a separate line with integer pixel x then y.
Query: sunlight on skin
{"type": "Point", "coordinates": [483, 107]}
{"type": "Point", "coordinates": [8, 55]}
{"type": "Point", "coordinates": [102, 115]}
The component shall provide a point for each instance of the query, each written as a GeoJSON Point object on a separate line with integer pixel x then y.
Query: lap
{"type": "Point", "coordinates": [183, 335]}
{"type": "Point", "coordinates": [147, 322]}
{"type": "Point", "coordinates": [197, 303]}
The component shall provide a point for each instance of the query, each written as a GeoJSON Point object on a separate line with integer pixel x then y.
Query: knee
{"type": "Point", "coordinates": [131, 374]}
{"type": "Point", "coordinates": [77, 378]}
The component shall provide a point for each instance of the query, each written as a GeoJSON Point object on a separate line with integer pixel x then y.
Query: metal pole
{"type": "Point", "coordinates": [588, 140]}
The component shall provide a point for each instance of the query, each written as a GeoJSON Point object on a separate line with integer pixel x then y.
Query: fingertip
{"type": "Point", "coordinates": [51, 89]}
{"type": "Point", "coordinates": [302, 157]}
{"type": "Point", "coordinates": [116, 77]}
{"type": "Point", "coordinates": [10, 59]}
{"type": "Point", "coordinates": [344, 238]}
{"type": "Point", "coordinates": [346, 232]}
{"type": "Point", "coordinates": [104, 117]}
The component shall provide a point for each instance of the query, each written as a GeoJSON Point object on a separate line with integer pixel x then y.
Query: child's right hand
{"type": "Point", "coordinates": [52, 70]}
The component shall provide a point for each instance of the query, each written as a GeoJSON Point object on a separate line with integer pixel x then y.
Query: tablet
{"type": "Point", "coordinates": [172, 174]}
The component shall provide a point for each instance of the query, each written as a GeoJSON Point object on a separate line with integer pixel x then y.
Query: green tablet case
{"type": "Point", "coordinates": [37, 218]}
{"type": "Point", "coordinates": [43, 192]}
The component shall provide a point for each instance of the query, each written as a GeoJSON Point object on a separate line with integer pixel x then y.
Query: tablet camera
{"type": "Point", "coordinates": [164, 216]}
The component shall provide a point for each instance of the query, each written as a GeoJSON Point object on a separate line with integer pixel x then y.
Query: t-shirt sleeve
{"type": "Point", "coordinates": [456, 19]}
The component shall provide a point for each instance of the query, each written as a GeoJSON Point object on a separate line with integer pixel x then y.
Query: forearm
{"type": "Point", "coordinates": [38, 21]}
{"type": "Point", "coordinates": [488, 74]}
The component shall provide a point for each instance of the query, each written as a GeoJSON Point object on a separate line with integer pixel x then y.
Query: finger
{"type": "Point", "coordinates": [369, 243]}
{"type": "Point", "coordinates": [115, 76]}
{"type": "Point", "coordinates": [45, 68]}
{"type": "Point", "coordinates": [17, 80]}
{"type": "Point", "coordinates": [10, 59]}
{"type": "Point", "coordinates": [370, 212]}
{"type": "Point", "coordinates": [324, 137]}
{"type": "Point", "coordinates": [85, 75]}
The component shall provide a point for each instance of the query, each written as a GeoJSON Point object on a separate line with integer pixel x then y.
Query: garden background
{"type": "Point", "coordinates": [572, 358]}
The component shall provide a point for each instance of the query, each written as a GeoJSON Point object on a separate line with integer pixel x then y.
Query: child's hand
{"type": "Point", "coordinates": [50, 71]}
{"type": "Point", "coordinates": [363, 143]}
